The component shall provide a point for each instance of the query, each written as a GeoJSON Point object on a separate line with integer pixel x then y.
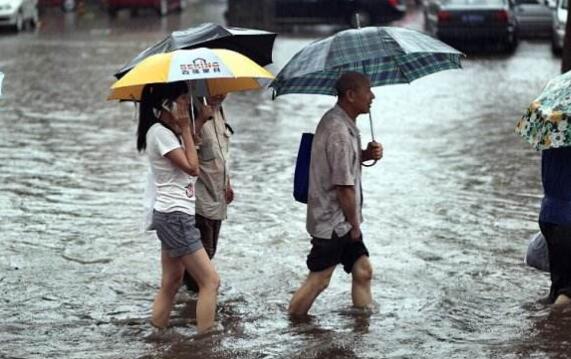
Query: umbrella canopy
{"type": "Point", "coordinates": [256, 44]}
{"type": "Point", "coordinates": [217, 71]}
{"type": "Point", "coordinates": [388, 55]}
{"type": "Point", "coordinates": [546, 123]}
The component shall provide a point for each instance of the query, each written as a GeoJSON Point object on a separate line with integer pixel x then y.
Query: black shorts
{"type": "Point", "coordinates": [326, 253]}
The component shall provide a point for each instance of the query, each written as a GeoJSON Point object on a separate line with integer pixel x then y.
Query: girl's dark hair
{"type": "Point", "coordinates": [152, 98]}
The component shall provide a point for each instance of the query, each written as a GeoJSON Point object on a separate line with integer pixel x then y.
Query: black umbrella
{"type": "Point", "coordinates": [256, 44]}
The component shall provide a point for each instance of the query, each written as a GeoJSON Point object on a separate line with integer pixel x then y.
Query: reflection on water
{"type": "Point", "coordinates": [447, 212]}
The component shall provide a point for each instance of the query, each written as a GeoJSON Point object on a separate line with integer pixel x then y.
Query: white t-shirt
{"type": "Point", "coordinates": [175, 189]}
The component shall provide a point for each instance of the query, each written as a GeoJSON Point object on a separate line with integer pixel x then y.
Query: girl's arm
{"type": "Point", "coordinates": [185, 158]}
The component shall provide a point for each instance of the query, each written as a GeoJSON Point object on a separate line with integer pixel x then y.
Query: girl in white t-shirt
{"type": "Point", "coordinates": [164, 132]}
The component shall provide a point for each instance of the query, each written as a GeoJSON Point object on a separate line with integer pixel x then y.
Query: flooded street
{"type": "Point", "coordinates": [448, 211]}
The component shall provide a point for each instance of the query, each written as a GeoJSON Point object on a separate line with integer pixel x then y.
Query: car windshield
{"type": "Point", "coordinates": [475, 2]}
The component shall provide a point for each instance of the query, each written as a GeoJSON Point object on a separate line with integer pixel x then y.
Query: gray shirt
{"type": "Point", "coordinates": [213, 162]}
{"type": "Point", "coordinates": [335, 161]}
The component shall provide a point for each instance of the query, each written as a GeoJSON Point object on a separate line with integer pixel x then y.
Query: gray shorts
{"type": "Point", "coordinates": [177, 232]}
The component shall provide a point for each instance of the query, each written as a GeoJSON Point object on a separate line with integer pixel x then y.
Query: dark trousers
{"type": "Point", "coordinates": [209, 231]}
{"type": "Point", "coordinates": [558, 239]}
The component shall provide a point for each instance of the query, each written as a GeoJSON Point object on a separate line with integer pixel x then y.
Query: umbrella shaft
{"type": "Point", "coordinates": [371, 124]}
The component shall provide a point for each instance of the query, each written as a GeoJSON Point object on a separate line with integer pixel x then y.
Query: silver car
{"type": "Point", "coordinates": [17, 13]}
{"type": "Point", "coordinates": [559, 22]}
{"type": "Point", "coordinates": [534, 18]}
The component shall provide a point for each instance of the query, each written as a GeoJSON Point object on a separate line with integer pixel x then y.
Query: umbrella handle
{"type": "Point", "coordinates": [372, 138]}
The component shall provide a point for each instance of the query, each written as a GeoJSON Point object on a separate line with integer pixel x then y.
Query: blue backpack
{"type": "Point", "coordinates": [301, 175]}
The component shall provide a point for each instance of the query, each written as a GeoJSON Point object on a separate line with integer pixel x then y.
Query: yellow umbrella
{"type": "Point", "coordinates": [216, 71]}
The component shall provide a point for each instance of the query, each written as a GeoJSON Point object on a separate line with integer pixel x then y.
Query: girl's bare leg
{"type": "Point", "coordinates": [172, 272]}
{"type": "Point", "coordinates": [199, 266]}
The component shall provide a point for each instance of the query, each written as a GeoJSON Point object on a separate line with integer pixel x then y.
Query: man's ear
{"type": "Point", "coordinates": [350, 95]}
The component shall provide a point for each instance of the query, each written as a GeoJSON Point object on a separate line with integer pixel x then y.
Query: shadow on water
{"type": "Point", "coordinates": [548, 335]}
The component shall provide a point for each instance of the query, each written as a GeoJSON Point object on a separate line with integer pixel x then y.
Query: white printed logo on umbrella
{"type": "Point", "coordinates": [200, 65]}
{"type": "Point", "coordinates": [206, 65]}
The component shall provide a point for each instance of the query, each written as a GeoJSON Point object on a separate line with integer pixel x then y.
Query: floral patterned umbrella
{"type": "Point", "coordinates": [546, 123]}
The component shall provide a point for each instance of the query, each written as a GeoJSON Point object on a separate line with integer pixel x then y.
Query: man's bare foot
{"type": "Point", "coordinates": [562, 300]}
{"type": "Point", "coordinates": [156, 326]}
{"type": "Point", "coordinates": [214, 329]}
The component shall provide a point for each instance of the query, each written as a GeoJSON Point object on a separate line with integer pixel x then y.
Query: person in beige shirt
{"type": "Point", "coordinates": [335, 197]}
{"type": "Point", "coordinates": [213, 189]}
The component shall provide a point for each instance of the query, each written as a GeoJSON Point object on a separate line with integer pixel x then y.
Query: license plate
{"type": "Point", "coordinates": [472, 19]}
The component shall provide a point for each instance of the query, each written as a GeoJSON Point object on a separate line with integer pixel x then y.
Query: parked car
{"type": "Point", "coordinates": [65, 5]}
{"type": "Point", "coordinates": [163, 7]}
{"type": "Point", "coordinates": [338, 11]}
{"type": "Point", "coordinates": [473, 20]}
{"type": "Point", "coordinates": [17, 13]}
{"type": "Point", "coordinates": [559, 23]}
{"type": "Point", "coordinates": [534, 18]}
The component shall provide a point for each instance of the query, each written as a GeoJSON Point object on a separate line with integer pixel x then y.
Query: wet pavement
{"type": "Point", "coordinates": [448, 212]}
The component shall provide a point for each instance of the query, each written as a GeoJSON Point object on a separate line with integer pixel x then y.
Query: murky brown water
{"type": "Point", "coordinates": [448, 212]}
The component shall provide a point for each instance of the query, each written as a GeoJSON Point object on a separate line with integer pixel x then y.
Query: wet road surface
{"type": "Point", "coordinates": [448, 212]}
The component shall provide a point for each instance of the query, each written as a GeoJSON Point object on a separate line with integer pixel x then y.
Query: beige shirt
{"type": "Point", "coordinates": [214, 175]}
{"type": "Point", "coordinates": [335, 161]}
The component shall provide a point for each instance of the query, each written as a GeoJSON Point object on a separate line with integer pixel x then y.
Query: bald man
{"type": "Point", "coordinates": [335, 198]}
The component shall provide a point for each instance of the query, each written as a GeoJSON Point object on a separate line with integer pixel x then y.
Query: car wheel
{"type": "Point", "coordinates": [511, 44]}
{"type": "Point", "coordinates": [35, 20]}
{"type": "Point", "coordinates": [427, 24]}
{"type": "Point", "coordinates": [364, 19]}
{"type": "Point", "coordinates": [68, 5]}
{"type": "Point", "coordinates": [555, 50]}
{"type": "Point", "coordinates": [163, 8]}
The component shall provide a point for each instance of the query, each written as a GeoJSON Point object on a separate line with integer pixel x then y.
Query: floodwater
{"type": "Point", "coordinates": [448, 212]}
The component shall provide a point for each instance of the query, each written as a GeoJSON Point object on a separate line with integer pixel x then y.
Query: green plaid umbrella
{"type": "Point", "coordinates": [388, 55]}
{"type": "Point", "coordinates": [546, 122]}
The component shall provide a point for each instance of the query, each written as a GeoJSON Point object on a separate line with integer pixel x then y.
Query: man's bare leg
{"type": "Point", "coordinates": [361, 287]}
{"type": "Point", "coordinates": [304, 297]}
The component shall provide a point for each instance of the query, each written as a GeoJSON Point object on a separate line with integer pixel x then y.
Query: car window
{"type": "Point", "coordinates": [474, 2]}
{"type": "Point", "coordinates": [528, 2]}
